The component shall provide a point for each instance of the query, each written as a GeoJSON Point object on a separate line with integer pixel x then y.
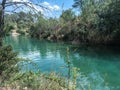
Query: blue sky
{"type": "Point", "coordinates": [55, 6]}
{"type": "Point", "coordinates": [65, 3]}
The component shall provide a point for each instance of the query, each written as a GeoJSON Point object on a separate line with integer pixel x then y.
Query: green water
{"type": "Point", "coordinates": [99, 67]}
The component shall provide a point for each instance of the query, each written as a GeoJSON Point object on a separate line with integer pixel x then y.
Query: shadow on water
{"type": "Point", "coordinates": [99, 66]}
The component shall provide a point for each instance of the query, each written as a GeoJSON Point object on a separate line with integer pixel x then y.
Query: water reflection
{"type": "Point", "coordinates": [99, 67]}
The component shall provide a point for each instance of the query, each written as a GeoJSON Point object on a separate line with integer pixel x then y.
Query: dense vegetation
{"type": "Point", "coordinates": [18, 21]}
{"type": "Point", "coordinates": [97, 23]}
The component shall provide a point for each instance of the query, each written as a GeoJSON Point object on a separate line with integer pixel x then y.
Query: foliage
{"type": "Point", "coordinates": [110, 20]}
{"type": "Point", "coordinates": [36, 81]}
{"type": "Point", "coordinates": [101, 19]}
{"type": "Point", "coordinates": [67, 15]}
{"type": "Point", "coordinates": [43, 28]}
{"type": "Point", "coordinates": [8, 27]}
{"type": "Point", "coordinates": [8, 61]}
{"type": "Point", "coordinates": [20, 21]}
{"type": "Point", "coordinates": [97, 23]}
{"type": "Point", "coordinates": [72, 72]}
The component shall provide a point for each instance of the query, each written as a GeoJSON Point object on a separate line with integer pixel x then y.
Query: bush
{"type": "Point", "coordinates": [8, 61]}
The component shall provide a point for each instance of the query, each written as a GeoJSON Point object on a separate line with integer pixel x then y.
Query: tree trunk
{"type": "Point", "coordinates": [2, 8]}
{"type": "Point", "coordinates": [1, 24]}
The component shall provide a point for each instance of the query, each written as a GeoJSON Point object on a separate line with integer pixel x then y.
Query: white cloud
{"type": "Point", "coordinates": [51, 11]}
{"type": "Point", "coordinates": [46, 3]}
{"type": "Point", "coordinates": [51, 7]}
{"type": "Point", "coordinates": [56, 7]}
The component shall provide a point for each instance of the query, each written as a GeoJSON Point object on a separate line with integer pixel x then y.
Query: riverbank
{"type": "Point", "coordinates": [14, 33]}
{"type": "Point", "coordinates": [77, 41]}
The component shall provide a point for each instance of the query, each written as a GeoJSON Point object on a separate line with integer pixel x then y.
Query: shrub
{"type": "Point", "coordinates": [8, 61]}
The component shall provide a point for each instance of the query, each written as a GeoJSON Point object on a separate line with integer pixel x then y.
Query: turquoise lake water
{"type": "Point", "coordinates": [99, 66]}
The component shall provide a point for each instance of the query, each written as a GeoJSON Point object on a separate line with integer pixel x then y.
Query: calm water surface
{"type": "Point", "coordinates": [99, 67]}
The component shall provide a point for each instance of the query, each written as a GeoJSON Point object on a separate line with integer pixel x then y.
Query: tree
{"type": "Point", "coordinates": [67, 15]}
{"type": "Point", "coordinates": [78, 4]}
{"type": "Point", "coordinates": [15, 6]}
{"type": "Point", "coordinates": [2, 7]}
{"type": "Point", "coordinates": [100, 19]}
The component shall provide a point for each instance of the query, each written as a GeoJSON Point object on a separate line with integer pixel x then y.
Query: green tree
{"type": "Point", "coordinates": [99, 19]}
{"type": "Point", "coordinates": [68, 15]}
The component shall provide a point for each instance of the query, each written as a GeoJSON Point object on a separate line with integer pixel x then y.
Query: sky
{"type": "Point", "coordinates": [55, 6]}
{"type": "Point", "coordinates": [62, 4]}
